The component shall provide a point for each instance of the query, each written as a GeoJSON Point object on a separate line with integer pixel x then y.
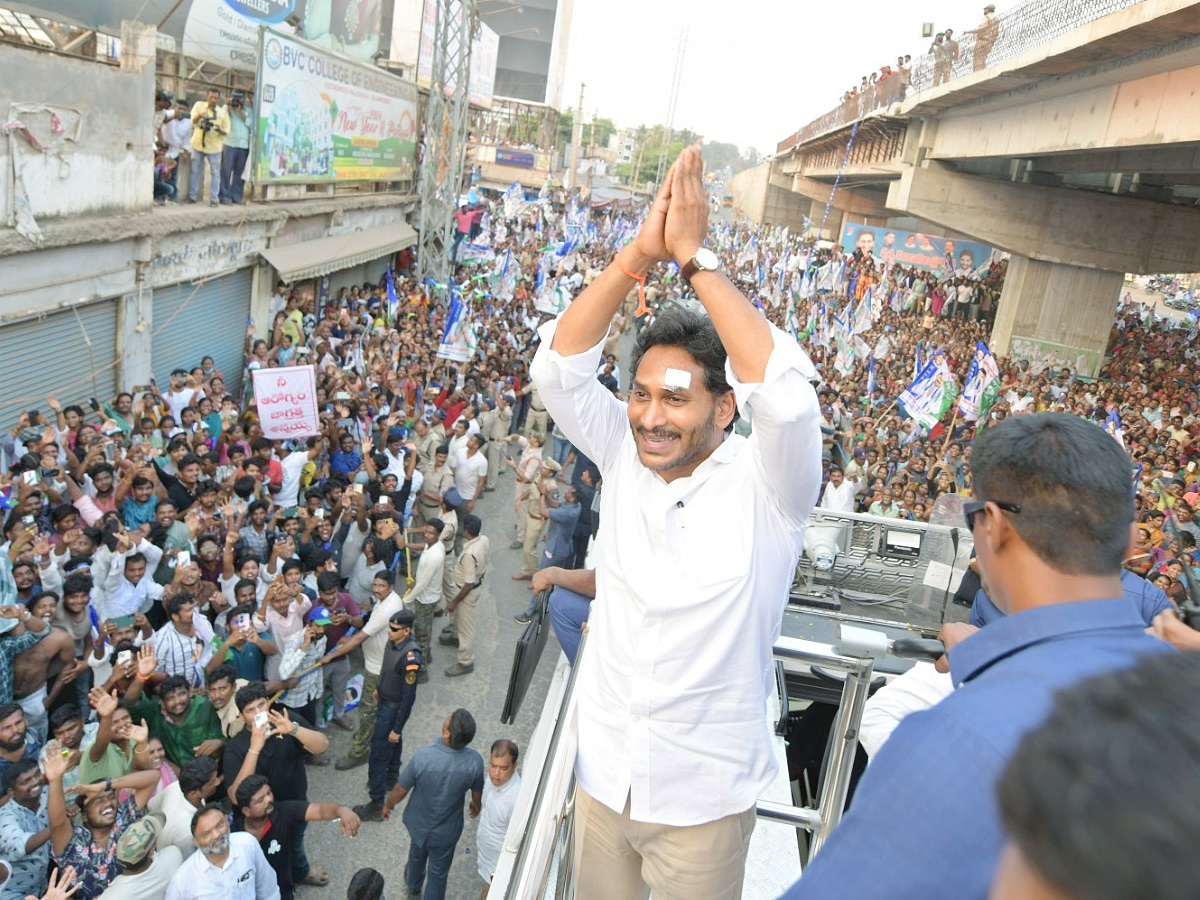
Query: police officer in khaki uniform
{"type": "Point", "coordinates": [427, 443]}
{"type": "Point", "coordinates": [526, 469]}
{"type": "Point", "coordinates": [469, 573]}
{"type": "Point", "coordinates": [535, 521]}
{"type": "Point", "coordinates": [494, 422]}
{"type": "Point", "coordinates": [438, 480]}
{"type": "Point", "coordinates": [538, 420]}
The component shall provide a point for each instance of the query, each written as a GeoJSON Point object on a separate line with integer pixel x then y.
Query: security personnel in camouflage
{"type": "Point", "coordinates": [396, 692]}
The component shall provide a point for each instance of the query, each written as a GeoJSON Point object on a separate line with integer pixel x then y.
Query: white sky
{"type": "Point", "coordinates": [755, 71]}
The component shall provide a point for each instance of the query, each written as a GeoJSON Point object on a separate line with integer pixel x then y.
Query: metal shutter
{"type": "Point", "coordinates": [69, 353]}
{"type": "Point", "coordinates": [192, 322]}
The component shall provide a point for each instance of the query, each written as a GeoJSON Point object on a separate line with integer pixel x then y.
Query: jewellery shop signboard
{"type": "Point", "coordinates": [323, 118]}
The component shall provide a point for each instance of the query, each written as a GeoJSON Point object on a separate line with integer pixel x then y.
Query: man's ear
{"type": "Point", "coordinates": [724, 408]}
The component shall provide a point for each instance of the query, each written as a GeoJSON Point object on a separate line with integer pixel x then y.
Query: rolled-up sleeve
{"type": "Point", "coordinates": [786, 423]}
{"type": "Point", "coordinates": [589, 415]}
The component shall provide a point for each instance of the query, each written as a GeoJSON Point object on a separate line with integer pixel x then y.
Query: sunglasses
{"type": "Point", "coordinates": [972, 507]}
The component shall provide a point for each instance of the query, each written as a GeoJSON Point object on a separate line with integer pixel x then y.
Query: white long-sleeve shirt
{"type": "Point", "coordinates": [427, 584]}
{"type": "Point", "coordinates": [121, 598]}
{"type": "Point", "coordinates": [692, 578]}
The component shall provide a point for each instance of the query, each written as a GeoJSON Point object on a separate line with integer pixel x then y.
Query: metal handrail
{"type": "Point", "coordinates": [529, 876]}
{"type": "Point", "coordinates": [1027, 26]}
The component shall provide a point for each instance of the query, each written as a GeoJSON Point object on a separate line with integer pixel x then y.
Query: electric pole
{"type": "Point", "coordinates": [576, 136]}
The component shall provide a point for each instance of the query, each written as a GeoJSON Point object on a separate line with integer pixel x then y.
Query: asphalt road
{"type": "Point", "coordinates": [384, 846]}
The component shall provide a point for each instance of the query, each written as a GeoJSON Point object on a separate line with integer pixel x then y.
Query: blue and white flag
{"type": "Point", "coordinates": [514, 199]}
{"type": "Point", "coordinates": [1113, 426]}
{"type": "Point", "coordinates": [982, 385]}
{"type": "Point", "coordinates": [863, 320]}
{"type": "Point", "coordinates": [458, 337]}
{"type": "Point", "coordinates": [871, 377]}
{"type": "Point", "coordinates": [932, 393]}
{"type": "Point", "coordinates": [392, 300]}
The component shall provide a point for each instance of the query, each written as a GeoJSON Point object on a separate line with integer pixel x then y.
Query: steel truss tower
{"type": "Point", "coordinates": [445, 135]}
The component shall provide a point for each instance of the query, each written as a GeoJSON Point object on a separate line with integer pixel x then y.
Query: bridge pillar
{"type": "Point", "coordinates": [1056, 313]}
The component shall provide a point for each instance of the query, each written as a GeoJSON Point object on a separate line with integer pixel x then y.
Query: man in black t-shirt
{"type": "Point", "coordinates": [274, 749]}
{"type": "Point", "coordinates": [275, 825]}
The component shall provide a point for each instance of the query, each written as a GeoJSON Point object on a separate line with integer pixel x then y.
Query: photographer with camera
{"type": "Point", "coordinates": [237, 148]}
{"type": "Point", "coordinates": [210, 121]}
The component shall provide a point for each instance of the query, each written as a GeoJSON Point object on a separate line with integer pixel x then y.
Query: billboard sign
{"type": "Point", "coordinates": [913, 248]}
{"type": "Point", "coordinates": [323, 118]}
{"type": "Point", "coordinates": [522, 158]}
{"type": "Point", "coordinates": [225, 32]}
{"type": "Point", "coordinates": [484, 50]}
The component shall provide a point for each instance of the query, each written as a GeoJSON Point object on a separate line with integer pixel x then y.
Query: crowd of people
{"type": "Point", "coordinates": [184, 601]}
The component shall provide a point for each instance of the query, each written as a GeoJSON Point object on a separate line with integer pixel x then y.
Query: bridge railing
{"type": "Point", "coordinates": [1029, 25]}
{"type": "Point", "coordinates": [1022, 28]}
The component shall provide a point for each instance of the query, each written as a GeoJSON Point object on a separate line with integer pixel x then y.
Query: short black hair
{"type": "Point", "coordinates": [462, 729]}
{"type": "Point", "coordinates": [196, 773]}
{"type": "Point", "coordinates": [64, 714]}
{"type": "Point", "coordinates": [696, 334]}
{"type": "Point", "coordinates": [250, 786]}
{"type": "Point", "coordinates": [365, 884]}
{"type": "Point", "coordinates": [328, 581]}
{"type": "Point", "coordinates": [505, 747]}
{"type": "Point", "coordinates": [177, 602]}
{"type": "Point", "coordinates": [472, 524]}
{"type": "Point", "coordinates": [247, 694]}
{"type": "Point", "coordinates": [173, 683]}
{"type": "Point", "coordinates": [1070, 478]}
{"type": "Point", "coordinates": [1100, 798]}
{"type": "Point", "coordinates": [15, 771]}
{"type": "Point", "coordinates": [223, 672]}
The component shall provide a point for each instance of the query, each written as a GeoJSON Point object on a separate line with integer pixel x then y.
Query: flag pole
{"type": "Point", "coordinates": [950, 430]}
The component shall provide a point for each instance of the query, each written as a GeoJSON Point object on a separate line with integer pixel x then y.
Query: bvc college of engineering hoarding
{"type": "Point", "coordinates": [321, 117]}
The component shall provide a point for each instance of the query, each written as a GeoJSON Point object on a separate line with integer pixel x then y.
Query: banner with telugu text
{"type": "Point", "coordinates": [287, 402]}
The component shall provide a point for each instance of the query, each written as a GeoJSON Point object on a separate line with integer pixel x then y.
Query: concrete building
{"type": "Point", "coordinates": [532, 57]}
{"type": "Point", "coordinates": [100, 290]}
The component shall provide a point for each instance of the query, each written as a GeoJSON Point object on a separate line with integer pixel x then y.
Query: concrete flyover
{"type": "Point", "coordinates": [1072, 147]}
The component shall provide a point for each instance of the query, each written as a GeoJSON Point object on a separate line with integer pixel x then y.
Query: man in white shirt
{"type": "Point", "coordinates": [130, 587]}
{"type": "Point", "coordinates": [292, 465]}
{"type": "Point", "coordinates": [373, 638]}
{"type": "Point", "coordinates": [470, 471]}
{"type": "Point", "coordinates": [839, 492]}
{"type": "Point", "coordinates": [228, 865]}
{"type": "Point", "coordinates": [426, 592]}
{"type": "Point", "coordinates": [179, 801]}
{"type": "Point", "coordinates": [672, 737]}
{"type": "Point", "coordinates": [500, 793]}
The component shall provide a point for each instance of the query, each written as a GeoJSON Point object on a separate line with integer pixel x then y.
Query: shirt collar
{"type": "Point", "coordinates": [1015, 632]}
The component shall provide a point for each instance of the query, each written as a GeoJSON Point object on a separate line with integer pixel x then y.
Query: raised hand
{"type": "Point", "coordinates": [651, 240]}
{"type": "Point", "coordinates": [56, 760]}
{"type": "Point", "coordinates": [687, 217]}
{"type": "Point", "coordinates": [147, 661]}
{"type": "Point", "coordinates": [138, 732]}
{"type": "Point", "coordinates": [62, 884]}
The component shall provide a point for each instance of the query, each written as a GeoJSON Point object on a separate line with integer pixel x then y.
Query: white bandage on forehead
{"type": "Point", "coordinates": [677, 379]}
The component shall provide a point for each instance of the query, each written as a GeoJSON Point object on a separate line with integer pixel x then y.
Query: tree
{"type": "Point", "coordinates": [750, 155]}
{"type": "Point", "coordinates": [566, 125]}
{"type": "Point", "coordinates": [600, 131]}
{"type": "Point", "coordinates": [717, 155]}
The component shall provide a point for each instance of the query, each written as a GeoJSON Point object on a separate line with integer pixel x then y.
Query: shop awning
{"type": "Point", "coordinates": [311, 259]}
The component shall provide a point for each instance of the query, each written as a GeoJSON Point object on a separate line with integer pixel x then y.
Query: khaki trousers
{"type": "Point", "coordinates": [533, 531]}
{"type": "Point", "coordinates": [537, 420]}
{"type": "Point", "coordinates": [617, 857]}
{"type": "Point", "coordinates": [495, 453]}
{"type": "Point", "coordinates": [464, 626]}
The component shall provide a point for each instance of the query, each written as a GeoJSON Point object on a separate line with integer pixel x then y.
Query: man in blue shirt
{"type": "Point", "coordinates": [437, 777]}
{"type": "Point", "coordinates": [1148, 599]}
{"type": "Point", "coordinates": [346, 460]}
{"type": "Point", "coordinates": [925, 823]}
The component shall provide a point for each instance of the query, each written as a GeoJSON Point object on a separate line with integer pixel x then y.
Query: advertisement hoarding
{"type": "Point", "coordinates": [913, 248]}
{"type": "Point", "coordinates": [323, 118]}
{"type": "Point", "coordinates": [484, 49]}
{"type": "Point", "coordinates": [225, 32]}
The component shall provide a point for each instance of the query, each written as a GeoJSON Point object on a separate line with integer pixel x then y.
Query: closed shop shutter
{"type": "Point", "coordinates": [70, 353]}
{"type": "Point", "coordinates": [192, 322]}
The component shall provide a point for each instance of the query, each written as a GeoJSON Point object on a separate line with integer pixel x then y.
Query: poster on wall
{"type": "Point", "coordinates": [484, 49]}
{"type": "Point", "coordinates": [913, 248]}
{"type": "Point", "coordinates": [225, 32]}
{"type": "Point", "coordinates": [322, 118]}
{"type": "Point", "coordinates": [286, 398]}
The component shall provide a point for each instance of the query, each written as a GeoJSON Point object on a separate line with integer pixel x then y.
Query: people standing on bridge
{"type": "Point", "coordinates": [986, 34]}
{"type": "Point", "coordinates": [941, 59]}
{"type": "Point", "coordinates": [674, 815]}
